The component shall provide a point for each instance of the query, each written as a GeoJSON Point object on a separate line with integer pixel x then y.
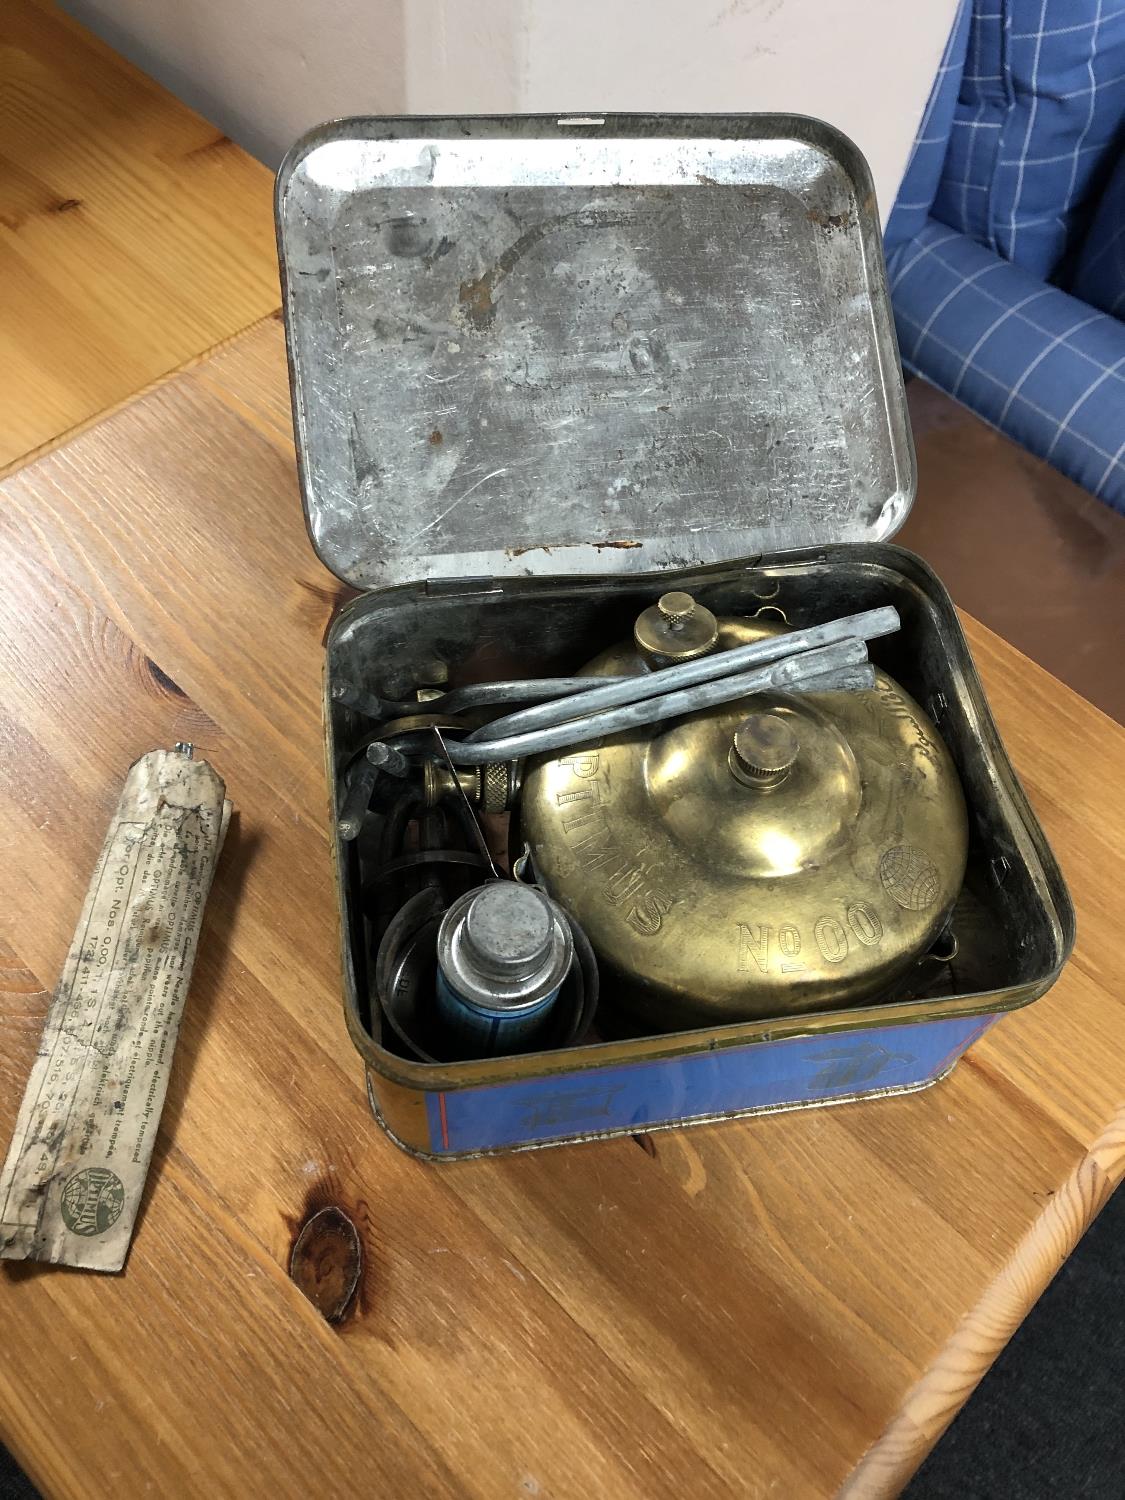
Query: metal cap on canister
{"type": "Point", "coordinates": [504, 948]}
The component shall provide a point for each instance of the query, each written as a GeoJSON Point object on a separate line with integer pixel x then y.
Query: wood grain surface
{"type": "Point", "coordinates": [133, 234]}
{"type": "Point", "coordinates": [786, 1306]}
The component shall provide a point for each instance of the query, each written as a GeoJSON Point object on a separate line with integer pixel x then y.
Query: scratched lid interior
{"type": "Point", "coordinates": [538, 346]}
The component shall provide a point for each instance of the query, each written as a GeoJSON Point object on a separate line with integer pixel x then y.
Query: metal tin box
{"type": "Point", "coordinates": [544, 367]}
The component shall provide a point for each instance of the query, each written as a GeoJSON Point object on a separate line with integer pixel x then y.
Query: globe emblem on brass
{"type": "Point", "coordinates": [92, 1201]}
{"type": "Point", "coordinates": [909, 877]}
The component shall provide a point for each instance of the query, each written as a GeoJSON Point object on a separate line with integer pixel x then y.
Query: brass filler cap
{"type": "Point", "coordinates": [764, 750]}
{"type": "Point", "coordinates": [676, 628]}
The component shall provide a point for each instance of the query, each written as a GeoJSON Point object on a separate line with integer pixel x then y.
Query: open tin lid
{"type": "Point", "coordinates": [587, 345]}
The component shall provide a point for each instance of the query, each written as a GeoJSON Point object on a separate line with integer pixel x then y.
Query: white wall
{"type": "Point", "coordinates": [266, 70]}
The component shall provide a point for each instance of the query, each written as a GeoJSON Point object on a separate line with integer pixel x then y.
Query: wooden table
{"type": "Point", "coordinates": [134, 236]}
{"type": "Point", "coordinates": [783, 1306]}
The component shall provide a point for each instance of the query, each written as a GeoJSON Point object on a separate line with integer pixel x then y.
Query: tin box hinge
{"type": "Point", "coordinates": [459, 586]}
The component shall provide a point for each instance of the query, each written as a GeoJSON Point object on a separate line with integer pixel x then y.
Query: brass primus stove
{"type": "Point", "coordinates": [816, 840]}
{"type": "Point", "coordinates": [569, 396]}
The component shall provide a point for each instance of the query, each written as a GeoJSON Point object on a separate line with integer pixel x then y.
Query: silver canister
{"type": "Point", "coordinates": [503, 952]}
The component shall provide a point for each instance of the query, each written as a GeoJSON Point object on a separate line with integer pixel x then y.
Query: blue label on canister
{"type": "Point", "coordinates": [489, 1033]}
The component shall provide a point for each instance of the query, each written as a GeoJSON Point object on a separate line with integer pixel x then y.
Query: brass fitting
{"type": "Point", "coordinates": [675, 628]}
{"type": "Point", "coordinates": [763, 751]}
{"type": "Point", "coordinates": [488, 788]}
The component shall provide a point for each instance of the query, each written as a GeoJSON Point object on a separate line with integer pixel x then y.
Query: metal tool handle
{"type": "Point", "coordinates": [517, 690]}
{"type": "Point", "coordinates": [827, 669]}
{"type": "Point", "coordinates": [598, 694]}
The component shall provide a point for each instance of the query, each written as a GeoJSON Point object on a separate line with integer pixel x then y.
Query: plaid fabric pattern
{"type": "Point", "coordinates": [1042, 98]}
{"type": "Point", "coordinates": [1033, 361]}
{"type": "Point", "coordinates": [927, 157]}
{"type": "Point", "coordinates": [1032, 96]}
{"type": "Point", "coordinates": [1100, 275]}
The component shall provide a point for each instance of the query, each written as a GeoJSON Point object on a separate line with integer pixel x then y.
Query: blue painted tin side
{"type": "Point", "coordinates": [666, 1091]}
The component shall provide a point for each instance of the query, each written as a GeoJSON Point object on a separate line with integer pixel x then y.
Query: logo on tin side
{"type": "Point", "coordinates": [849, 1067]}
{"type": "Point", "coordinates": [92, 1201]}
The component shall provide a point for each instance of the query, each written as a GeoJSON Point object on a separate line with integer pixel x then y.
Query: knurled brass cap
{"type": "Point", "coordinates": [676, 628]}
{"type": "Point", "coordinates": [764, 750]}
{"type": "Point", "coordinates": [676, 607]}
{"type": "Point", "coordinates": [494, 787]}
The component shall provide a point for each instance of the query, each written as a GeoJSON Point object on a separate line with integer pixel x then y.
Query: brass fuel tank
{"type": "Point", "coordinates": [782, 854]}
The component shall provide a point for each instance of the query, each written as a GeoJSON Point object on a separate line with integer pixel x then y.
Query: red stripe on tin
{"type": "Point", "coordinates": [444, 1122]}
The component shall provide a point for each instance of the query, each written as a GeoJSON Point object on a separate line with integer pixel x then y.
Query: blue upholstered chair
{"type": "Point", "coordinates": [1006, 246]}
